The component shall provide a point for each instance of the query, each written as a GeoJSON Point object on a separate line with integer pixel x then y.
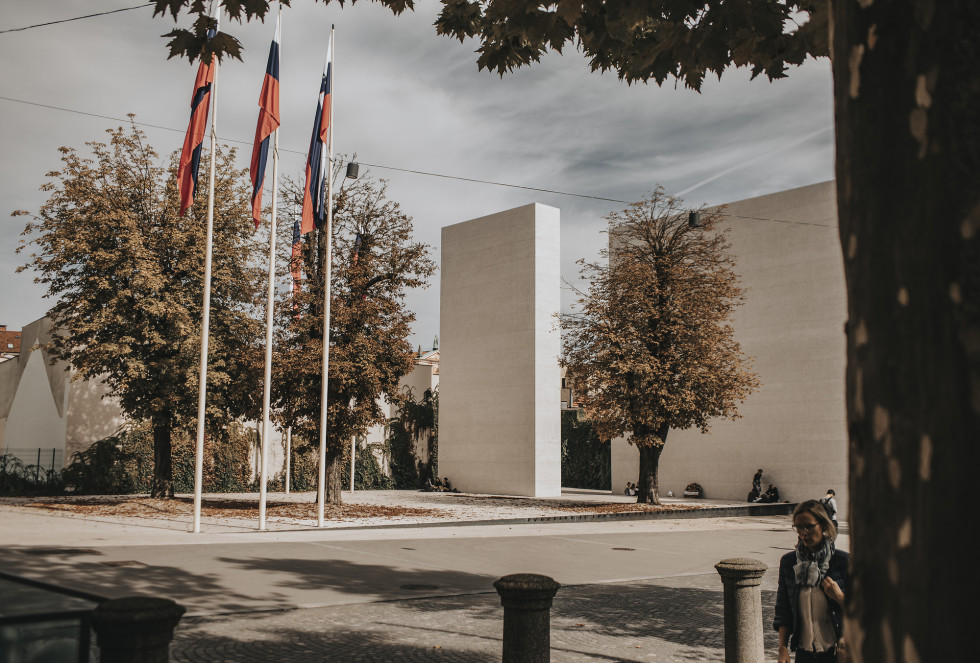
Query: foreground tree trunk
{"type": "Point", "coordinates": [334, 483]}
{"type": "Point", "coordinates": [907, 90]}
{"type": "Point", "coordinates": [648, 484]}
{"type": "Point", "coordinates": [163, 469]}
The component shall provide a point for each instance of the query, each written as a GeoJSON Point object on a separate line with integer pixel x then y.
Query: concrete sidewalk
{"type": "Point", "coordinates": [32, 526]}
{"type": "Point", "coordinates": [641, 590]}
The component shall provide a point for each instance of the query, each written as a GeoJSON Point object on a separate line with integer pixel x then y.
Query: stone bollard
{"type": "Point", "coordinates": [526, 598]}
{"type": "Point", "coordinates": [743, 609]}
{"type": "Point", "coordinates": [136, 629]}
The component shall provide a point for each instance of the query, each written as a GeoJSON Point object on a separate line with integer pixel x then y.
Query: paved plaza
{"type": "Point", "coordinates": [631, 590]}
{"type": "Point", "coordinates": [667, 619]}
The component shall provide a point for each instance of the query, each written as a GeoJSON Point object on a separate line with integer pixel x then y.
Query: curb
{"type": "Point", "coordinates": [778, 509]}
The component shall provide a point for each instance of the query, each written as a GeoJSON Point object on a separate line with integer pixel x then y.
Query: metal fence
{"type": "Point", "coordinates": [38, 459]}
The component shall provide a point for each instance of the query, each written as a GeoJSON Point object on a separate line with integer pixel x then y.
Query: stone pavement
{"type": "Point", "coordinates": [668, 619]}
{"type": "Point", "coordinates": [634, 591]}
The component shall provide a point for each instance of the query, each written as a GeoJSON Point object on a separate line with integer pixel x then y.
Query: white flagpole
{"type": "Point", "coordinates": [289, 443]}
{"type": "Point", "coordinates": [206, 322]}
{"type": "Point", "coordinates": [267, 387]}
{"type": "Point", "coordinates": [328, 172]}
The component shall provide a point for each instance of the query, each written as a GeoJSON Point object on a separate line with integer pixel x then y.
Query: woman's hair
{"type": "Point", "coordinates": [817, 510]}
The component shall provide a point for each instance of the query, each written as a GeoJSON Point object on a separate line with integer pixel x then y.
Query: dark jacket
{"type": "Point", "coordinates": [788, 594]}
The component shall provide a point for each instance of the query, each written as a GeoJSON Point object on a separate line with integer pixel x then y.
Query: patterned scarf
{"type": "Point", "coordinates": [812, 567]}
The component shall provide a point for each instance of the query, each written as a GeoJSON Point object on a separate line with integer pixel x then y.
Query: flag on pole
{"type": "Point", "coordinates": [268, 122]}
{"type": "Point", "coordinates": [296, 261]}
{"type": "Point", "coordinates": [357, 250]}
{"type": "Point", "coordinates": [314, 203]}
{"type": "Point", "coordinates": [190, 155]}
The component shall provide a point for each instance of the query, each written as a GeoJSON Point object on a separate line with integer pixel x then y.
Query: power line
{"type": "Point", "coordinates": [513, 186]}
{"type": "Point", "coordinates": [76, 18]}
{"type": "Point", "coordinates": [406, 170]}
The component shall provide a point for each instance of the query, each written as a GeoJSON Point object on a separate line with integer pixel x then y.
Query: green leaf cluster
{"type": "Point", "coordinates": [126, 274]}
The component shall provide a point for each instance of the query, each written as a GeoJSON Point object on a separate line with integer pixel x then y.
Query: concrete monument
{"type": "Point", "coordinates": [499, 407]}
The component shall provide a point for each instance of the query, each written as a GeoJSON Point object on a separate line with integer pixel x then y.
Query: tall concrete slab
{"type": "Point", "coordinates": [499, 402]}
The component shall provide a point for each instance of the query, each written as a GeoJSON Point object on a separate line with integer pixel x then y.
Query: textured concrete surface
{"type": "Point", "coordinates": [666, 619]}
{"type": "Point", "coordinates": [499, 389]}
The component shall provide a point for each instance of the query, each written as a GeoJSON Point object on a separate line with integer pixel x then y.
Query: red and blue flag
{"type": "Point", "coordinates": [267, 124]}
{"type": "Point", "coordinates": [190, 155]}
{"type": "Point", "coordinates": [314, 191]}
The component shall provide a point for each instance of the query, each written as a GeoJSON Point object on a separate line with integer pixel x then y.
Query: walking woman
{"type": "Point", "coordinates": [810, 597]}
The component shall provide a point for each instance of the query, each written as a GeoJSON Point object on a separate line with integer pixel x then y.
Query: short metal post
{"type": "Point", "coordinates": [743, 609]}
{"type": "Point", "coordinates": [136, 629]}
{"type": "Point", "coordinates": [527, 598]}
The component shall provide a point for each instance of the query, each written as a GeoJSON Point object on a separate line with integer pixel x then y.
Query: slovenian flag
{"type": "Point", "coordinates": [268, 123]}
{"type": "Point", "coordinates": [314, 193]}
{"type": "Point", "coordinates": [190, 155]}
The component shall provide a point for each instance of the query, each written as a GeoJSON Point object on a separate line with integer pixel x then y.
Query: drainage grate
{"type": "Point", "coordinates": [419, 587]}
{"type": "Point", "coordinates": [624, 548]}
{"type": "Point", "coordinates": [124, 562]}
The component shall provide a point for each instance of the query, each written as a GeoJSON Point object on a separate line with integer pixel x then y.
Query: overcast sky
{"type": "Point", "coordinates": [404, 98]}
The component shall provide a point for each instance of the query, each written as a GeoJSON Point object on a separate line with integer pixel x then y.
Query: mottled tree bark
{"type": "Point", "coordinates": [334, 483]}
{"type": "Point", "coordinates": [163, 469]}
{"type": "Point", "coordinates": [648, 483]}
{"type": "Point", "coordinates": [907, 90]}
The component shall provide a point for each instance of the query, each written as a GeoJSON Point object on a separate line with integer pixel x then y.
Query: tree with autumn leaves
{"type": "Point", "coordinates": [649, 343]}
{"type": "Point", "coordinates": [125, 271]}
{"type": "Point", "coordinates": [907, 94]}
{"type": "Point", "coordinates": [126, 274]}
{"type": "Point", "coordinates": [375, 262]}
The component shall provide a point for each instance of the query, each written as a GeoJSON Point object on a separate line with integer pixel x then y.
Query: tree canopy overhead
{"type": "Point", "coordinates": [650, 344]}
{"type": "Point", "coordinates": [644, 40]}
{"type": "Point", "coordinates": [641, 40]}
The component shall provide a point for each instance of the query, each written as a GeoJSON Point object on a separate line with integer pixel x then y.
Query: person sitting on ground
{"type": "Point", "coordinates": [767, 496]}
{"type": "Point", "coordinates": [629, 489]}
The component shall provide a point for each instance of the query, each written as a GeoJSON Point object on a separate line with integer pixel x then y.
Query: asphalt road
{"type": "Point", "coordinates": [631, 591]}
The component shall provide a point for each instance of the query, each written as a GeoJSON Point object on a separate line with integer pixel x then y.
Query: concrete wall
{"type": "Point", "coordinates": [422, 376]}
{"type": "Point", "coordinates": [792, 323]}
{"type": "Point", "coordinates": [499, 407]}
{"type": "Point", "coordinates": [41, 408]}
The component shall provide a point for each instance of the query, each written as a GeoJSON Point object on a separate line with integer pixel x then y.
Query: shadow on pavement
{"type": "Point", "coordinates": [119, 578]}
{"type": "Point", "coordinates": [385, 581]}
{"type": "Point", "coordinates": [341, 646]}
